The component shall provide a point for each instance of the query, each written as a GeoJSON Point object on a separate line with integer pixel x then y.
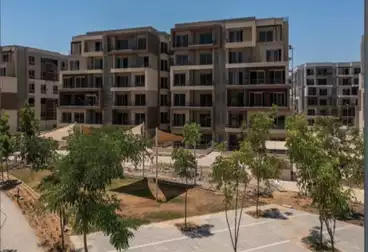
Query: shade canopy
{"type": "Point", "coordinates": [164, 137]}
{"type": "Point", "coordinates": [60, 134]}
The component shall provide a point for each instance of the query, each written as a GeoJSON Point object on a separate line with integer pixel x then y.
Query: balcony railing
{"type": "Point", "coordinates": [86, 86]}
{"type": "Point", "coordinates": [191, 63]}
{"type": "Point", "coordinates": [192, 104]}
{"type": "Point", "coordinates": [122, 103]}
{"type": "Point", "coordinates": [135, 65]}
{"type": "Point", "coordinates": [128, 85]}
{"type": "Point", "coordinates": [209, 83]}
{"type": "Point", "coordinates": [79, 103]}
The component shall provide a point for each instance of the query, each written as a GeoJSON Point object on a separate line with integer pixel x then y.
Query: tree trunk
{"type": "Point", "coordinates": [61, 216]}
{"type": "Point", "coordinates": [321, 231]}
{"type": "Point", "coordinates": [85, 242]}
{"type": "Point", "coordinates": [185, 203]}
{"type": "Point", "coordinates": [257, 198]}
{"type": "Point", "coordinates": [196, 168]}
{"type": "Point", "coordinates": [7, 170]}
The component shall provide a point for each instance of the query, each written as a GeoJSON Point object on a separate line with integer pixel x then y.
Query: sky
{"type": "Point", "coordinates": [320, 30]}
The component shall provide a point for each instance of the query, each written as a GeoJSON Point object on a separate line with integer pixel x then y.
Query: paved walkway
{"type": "Point", "coordinates": [257, 235]}
{"type": "Point", "coordinates": [16, 233]}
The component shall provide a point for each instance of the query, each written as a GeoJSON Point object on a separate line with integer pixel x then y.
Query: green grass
{"type": "Point", "coordinates": [116, 183]}
{"type": "Point", "coordinates": [163, 216]}
{"type": "Point", "coordinates": [31, 178]}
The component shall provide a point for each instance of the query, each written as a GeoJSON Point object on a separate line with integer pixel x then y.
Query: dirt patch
{"type": "Point", "coordinates": [272, 213]}
{"type": "Point", "coordinates": [296, 201]}
{"type": "Point", "coordinates": [143, 206]}
{"type": "Point", "coordinates": [46, 226]}
{"type": "Point", "coordinates": [313, 242]}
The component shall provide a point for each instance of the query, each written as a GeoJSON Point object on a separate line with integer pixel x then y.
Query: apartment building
{"type": "Point", "coordinates": [116, 77]}
{"type": "Point", "coordinates": [360, 115]}
{"type": "Point", "coordinates": [328, 89]}
{"type": "Point", "coordinates": [30, 74]}
{"type": "Point", "coordinates": [225, 69]}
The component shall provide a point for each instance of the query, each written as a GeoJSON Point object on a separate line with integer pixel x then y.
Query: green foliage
{"type": "Point", "coordinates": [184, 163]}
{"type": "Point", "coordinates": [5, 138]}
{"type": "Point", "coordinates": [29, 125]}
{"type": "Point", "coordinates": [325, 155]}
{"type": "Point", "coordinates": [191, 133]}
{"type": "Point", "coordinates": [93, 161]}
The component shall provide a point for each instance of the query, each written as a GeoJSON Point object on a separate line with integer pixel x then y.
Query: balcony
{"type": "Point", "coordinates": [82, 104]}
{"type": "Point", "coordinates": [128, 68]}
{"type": "Point", "coordinates": [192, 65]}
{"type": "Point", "coordinates": [204, 86]}
{"type": "Point", "coordinates": [253, 62]}
{"type": "Point", "coordinates": [128, 104]}
{"type": "Point", "coordinates": [192, 105]}
{"type": "Point", "coordinates": [80, 87]}
{"type": "Point", "coordinates": [128, 86]}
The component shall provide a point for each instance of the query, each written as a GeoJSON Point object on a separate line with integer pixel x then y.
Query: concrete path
{"type": "Point", "coordinates": [292, 186]}
{"type": "Point", "coordinates": [16, 233]}
{"type": "Point", "coordinates": [257, 235]}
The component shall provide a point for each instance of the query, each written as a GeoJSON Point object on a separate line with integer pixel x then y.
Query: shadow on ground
{"type": "Point", "coordinates": [9, 184]}
{"type": "Point", "coordinates": [313, 241]}
{"type": "Point", "coordinates": [141, 188]}
{"type": "Point", "coordinates": [271, 213]}
{"type": "Point", "coordinates": [194, 231]}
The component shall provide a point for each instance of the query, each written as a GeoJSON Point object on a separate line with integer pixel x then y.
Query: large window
{"type": "Point", "coordinates": [182, 60]}
{"type": "Point", "coordinates": [276, 76]}
{"type": "Point", "coordinates": [265, 36]}
{"type": "Point", "coordinates": [142, 43]}
{"type": "Point", "coordinates": [164, 100]}
{"type": "Point", "coordinates": [164, 117]}
{"type": "Point", "coordinates": [66, 117]}
{"type": "Point", "coordinates": [205, 38]}
{"type": "Point", "coordinates": [140, 118]}
{"type": "Point", "coordinates": [235, 57]}
{"type": "Point", "coordinates": [179, 99]}
{"type": "Point", "coordinates": [273, 55]}
{"type": "Point", "coordinates": [140, 100]}
{"type": "Point", "coordinates": [205, 79]}
{"type": "Point", "coordinates": [179, 120]}
{"type": "Point", "coordinates": [79, 117]}
{"type": "Point", "coordinates": [235, 36]}
{"type": "Point", "coordinates": [179, 79]}
{"type": "Point", "coordinates": [236, 78]}
{"type": "Point", "coordinates": [122, 44]}
{"type": "Point", "coordinates": [257, 77]}
{"type": "Point", "coordinates": [139, 80]}
{"type": "Point", "coordinates": [181, 41]}
{"type": "Point", "coordinates": [205, 59]}
{"type": "Point", "coordinates": [278, 99]}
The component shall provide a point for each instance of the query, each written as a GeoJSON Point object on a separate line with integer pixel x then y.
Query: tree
{"type": "Point", "coordinates": [36, 151]}
{"type": "Point", "coordinates": [93, 161]}
{"type": "Point", "coordinates": [231, 176]}
{"type": "Point", "coordinates": [185, 166]}
{"type": "Point", "coordinates": [263, 166]}
{"type": "Point", "coordinates": [5, 142]}
{"type": "Point", "coordinates": [192, 136]}
{"type": "Point", "coordinates": [325, 155]}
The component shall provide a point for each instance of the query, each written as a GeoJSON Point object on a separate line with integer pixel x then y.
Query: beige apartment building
{"type": "Point", "coordinates": [30, 74]}
{"type": "Point", "coordinates": [328, 89]}
{"type": "Point", "coordinates": [117, 77]}
{"type": "Point", "coordinates": [225, 69]}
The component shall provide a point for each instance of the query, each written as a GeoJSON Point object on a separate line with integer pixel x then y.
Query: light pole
{"type": "Point", "coordinates": [365, 67]}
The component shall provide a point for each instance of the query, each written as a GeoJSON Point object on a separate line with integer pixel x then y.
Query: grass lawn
{"type": "Point", "coordinates": [31, 178]}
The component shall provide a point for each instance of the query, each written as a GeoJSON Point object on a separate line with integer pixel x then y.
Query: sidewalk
{"type": "Point", "coordinates": [16, 234]}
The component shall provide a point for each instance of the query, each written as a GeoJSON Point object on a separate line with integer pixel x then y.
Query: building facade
{"type": "Point", "coordinates": [328, 89]}
{"type": "Point", "coordinates": [30, 74]}
{"type": "Point", "coordinates": [116, 77]}
{"type": "Point", "coordinates": [225, 69]}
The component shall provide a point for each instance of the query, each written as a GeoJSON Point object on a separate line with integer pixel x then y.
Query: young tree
{"type": "Point", "coordinates": [263, 166]}
{"type": "Point", "coordinates": [5, 142]}
{"type": "Point", "coordinates": [93, 161]}
{"type": "Point", "coordinates": [192, 136]}
{"type": "Point", "coordinates": [322, 153]}
{"type": "Point", "coordinates": [230, 174]}
{"type": "Point", "coordinates": [185, 166]}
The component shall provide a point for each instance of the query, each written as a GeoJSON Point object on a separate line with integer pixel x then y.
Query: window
{"type": "Point", "coordinates": [205, 100]}
{"type": "Point", "coordinates": [205, 38]}
{"type": "Point", "coordinates": [2, 71]}
{"type": "Point", "coordinates": [31, 74]}
{"type": "Point", "coordinates": [164, 65]}
{"type": "Point", "coordinates": [277, 99]}
{"type": "Point", "coordinates": [31, 88]}
{"type": "Point", "coordinates": [122, 44]}
{"type": "Point", "coordinates": [74, 65]}
{"type": "Point", "coordinates": [76, 48]}
{"type": "Point", "coordinates": [354, 90]}
{"type": "Point", "coordinates": [205, 59]}
{"type": "Point", "coordinates": [265, 36]}
{"type": "Point", "coordinates": [257, 77]}
{"type": "Point", "coordinates": [179, 79]}
{"type": "Point", "coordinates": [323, 92]}
{"type": "Point", "coordinates": [235, 57]}
{"type": "Point", "coordinates": [356, 81]}
{"type": "Point", "coordinates": [5, 57]}
{"type": "Point", "coordinates": [312, 91]}
{"type": "Point", "coordinates": [256, 99]}
{"type": "Point", "coordinates": [98, 81]}
{"type": "Point", "coordinates": [179, 120]}
{"type": "Point", "coordinates": [322, 82]}
{"type": "Point", "coordinates": [205, 120]}
{"type": "Point", "coordinates": [181, 41]}
{"type": "Point", "coordinates": [205, 79]}
{"type": "Point", "coordinates": [66, 117]}
{"type": "Point", "coordinates": [356, 70]}
{"type": "Point", "coordinates": [311, 112]}
{"type": "Point", "coordinates": [142, 43]}
{"type": "Point", "coordinates": [163, 47]}
{"type": "Point", "coordinates": [80, 82]}
{"type": "Point", "coordinates": [235, 36]}
{"type": "Point", "coordinates": [310, 71]}
{"type": "Point", "coordinates": [182, 60]}
{"type": "Point", "coordinates": [31, 101]}
{"type": "Point", "coordinates": [323, 102]}
{"type": "Point", "coordinates": [43, 89]}
{"type": "Point", "coordinates": [164, 83]}
{"type": "Point", "coordinates": [164, 117]}
{"type": "Point", "coordinates": [236, 78]}
{"type": "Point", "coordinates": [79, 117]}
{"type": "Point", "coordinates": [310, 82]}
{"type": "Point", "coordinates": [31, 60]}
{"type": "Point", "coordinates": [55, 89]}
{"type": "Point", "coordinates": [273, 55]}
{"type": "Point", "coordinates": [346, 81]}
{"type": "Point", "coordinates": [140, 118]}
{"type": "Point", "coordinates": [179, 100]}
{"type": "Point", "coordinates": [98, 47]}
{"type": "Point", "coordinates": [140, 100]}
{"type": "Point", "coordinates": [121, 100]}
{"type": "Point", "coordinates": [139, 80]}
{"type": "Point", "coordinates": [276, 76]}
{"type": "Point", "coordinates": [312, 101]}
{"type": "Point", "coordinates": [164, 100]}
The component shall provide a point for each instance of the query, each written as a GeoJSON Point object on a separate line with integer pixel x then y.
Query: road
{"type": "Point", "coordinates": [16, 234]}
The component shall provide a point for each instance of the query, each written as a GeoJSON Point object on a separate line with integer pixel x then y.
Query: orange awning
{"type": "Point", "coordinates": [164, 137]}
